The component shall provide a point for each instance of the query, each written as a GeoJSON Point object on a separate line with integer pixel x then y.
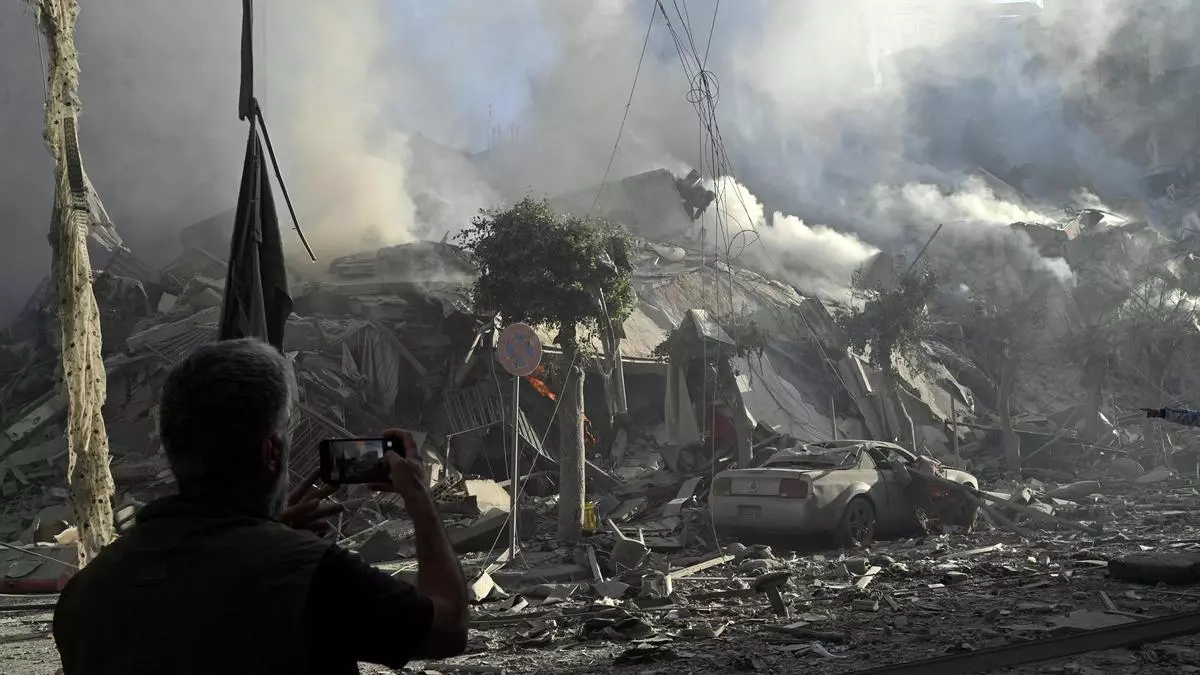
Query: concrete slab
{"type": "Point", "coordinates": [481, 535]}
{"type": "Point", "coordinates": [488, 495]}
{"type": "Point", "coordinates": [1153, 568]}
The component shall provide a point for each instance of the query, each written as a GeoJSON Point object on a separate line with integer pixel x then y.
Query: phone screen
{"type": "Point", "coordinates": [355, 460]}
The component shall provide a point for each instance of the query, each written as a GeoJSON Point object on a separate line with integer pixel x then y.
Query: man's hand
{"type": "Point", "coordinates": [439, 575]}
{"type": "Point", "coordinates": [306, 508]}
{"type": "Point", "coordinates": [1154, 412]}
{"type": "Point", "coordinates": [409, 477]}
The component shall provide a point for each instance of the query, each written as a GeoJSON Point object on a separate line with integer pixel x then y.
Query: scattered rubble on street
{"type": "Point", "coordinates": [718, 605]}
{"type": "Point", "coordinates": [1097, 532]}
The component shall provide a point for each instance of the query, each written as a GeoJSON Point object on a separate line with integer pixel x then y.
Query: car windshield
{"type": "Point", "coordinates": [817, 458]}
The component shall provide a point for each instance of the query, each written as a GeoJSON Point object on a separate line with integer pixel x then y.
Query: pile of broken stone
{"type": "Point", "coordinates": [640, 591]}
{"type": "Point", "coordinates": [655, 587]}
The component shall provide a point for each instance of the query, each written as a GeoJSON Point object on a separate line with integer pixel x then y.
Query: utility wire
{"type": "Point", "coordinates": [625, 116]}
{"type": "Point", "coordinates": [517, 483]}
{"type": "Point", "coordinates": [711, 26]}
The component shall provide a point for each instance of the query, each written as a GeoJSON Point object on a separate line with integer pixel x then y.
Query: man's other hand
{"type": "Point", "coordinates": [306, 506]}
{"type": "Point", "coordinates": [409, 477]}
{"type": "Point", "coordinates": [1154, 412]}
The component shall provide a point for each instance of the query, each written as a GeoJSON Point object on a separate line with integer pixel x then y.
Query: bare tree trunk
{"type": "Point", "coordinates": [1012, 442]}
{"type": "Point", "coordinates": [1095, 374]}
{"type": "Point", "coordinates": [900, 423]}
{"type": "Point", "coordinates": [1148, 441]}
{"type": "Point", "coordinates": [571, 453]}
{"type": "Point", "coordinates": [83, 376]}
{"type": "Point", "coordinates": [620, 399]}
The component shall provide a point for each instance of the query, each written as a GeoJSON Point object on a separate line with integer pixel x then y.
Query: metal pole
{"type": "Point", "coordinates": [515, 484]}
{"type": "Point", "coordinates": [832, 419]}
{"type": "Point", "coordinates": [619, 381]}
{"type": "Point", "coordinates": [612, 344]}
{"type": "Point", "coordinates": [954, 426]}
{"type": "Point", "coordinates": [922, 252]}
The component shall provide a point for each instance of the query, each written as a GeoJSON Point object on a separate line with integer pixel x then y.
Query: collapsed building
{"type": "Point", "coordinates": [723, 367]}
{"type": "Point", "coordinates": [388, 337]}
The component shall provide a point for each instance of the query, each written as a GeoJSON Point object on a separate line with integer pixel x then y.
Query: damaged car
{"type": "Point", "coordinates": [852, 489]}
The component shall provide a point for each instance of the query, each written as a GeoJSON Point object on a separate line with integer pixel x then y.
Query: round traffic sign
{"type": "Point", "coordinates": [520, 349]}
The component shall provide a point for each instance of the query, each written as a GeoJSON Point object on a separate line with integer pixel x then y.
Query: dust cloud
{"type": "Point", "coordinates": [857, 125]}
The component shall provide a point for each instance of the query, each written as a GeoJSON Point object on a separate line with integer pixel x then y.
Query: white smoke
{"type": "Point", "coordinates": [971, 201]}
{"type": "Point", "coordinates": [818, 103]}
{"type": "Point", "coordinates": [817, 259]}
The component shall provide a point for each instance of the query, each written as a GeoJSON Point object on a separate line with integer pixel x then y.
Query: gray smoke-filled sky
{"type": "Point", "coordinates": [821, 124]}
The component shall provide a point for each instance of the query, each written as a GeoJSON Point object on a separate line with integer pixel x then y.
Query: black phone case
{"type": "Point", "coordinates": [326, 457]}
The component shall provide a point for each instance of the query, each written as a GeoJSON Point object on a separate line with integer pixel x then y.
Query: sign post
{"type": "Point", "coordinates": [520, 353]}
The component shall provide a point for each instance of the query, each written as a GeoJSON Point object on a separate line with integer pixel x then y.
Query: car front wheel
{"type": "Point", "coordinates": [857, 528]}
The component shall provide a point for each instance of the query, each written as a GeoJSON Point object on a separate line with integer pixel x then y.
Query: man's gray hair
{"type": "Point", "coordinates": [217, 406]}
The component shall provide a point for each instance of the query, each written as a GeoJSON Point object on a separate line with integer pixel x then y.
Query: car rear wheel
{"type": "Point", "coordinates": [857, 528]}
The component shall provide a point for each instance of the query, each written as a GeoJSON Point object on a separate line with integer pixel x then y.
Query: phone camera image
{"type": "Point", "coordinates": [358, 460]}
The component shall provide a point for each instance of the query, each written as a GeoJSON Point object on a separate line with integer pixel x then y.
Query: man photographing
{"type": "Point", "coordinates": [224, 578]}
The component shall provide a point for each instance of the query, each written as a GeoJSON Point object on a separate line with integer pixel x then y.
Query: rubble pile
{"type": "Point", "coordinates": [387, 338]}
{"type": "Point", "coordinates": [627, 598]}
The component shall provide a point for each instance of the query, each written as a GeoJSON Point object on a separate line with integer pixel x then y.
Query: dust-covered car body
{"type": "Point", "coordinates": [820, 488]}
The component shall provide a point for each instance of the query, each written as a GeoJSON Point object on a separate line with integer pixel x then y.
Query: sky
{"type": "Point", "coordinates": [838, 148]}
{"type": "Point", "coordinates": [495, 81]}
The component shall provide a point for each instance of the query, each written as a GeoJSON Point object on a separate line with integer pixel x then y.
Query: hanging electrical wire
{"type": "Point", "coordinates": [621, 130]}
{"type": "Point", "coordinates": [704, 94]}
{"type": "Point", "coordinates": [712, 25]}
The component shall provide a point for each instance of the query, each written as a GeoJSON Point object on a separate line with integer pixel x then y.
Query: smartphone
{"type": "Point", "coordinates": [356, 460]}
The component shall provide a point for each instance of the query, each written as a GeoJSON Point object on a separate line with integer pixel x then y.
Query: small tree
{"type": "Point", "coordinates": [545, 269]}
{"type": "Point", "coordinates": [891, 321]}
{"type": "Point", "coordinates": [1141, 325]}
{"type": "Point", "coordinates": [1005, 328]}
{"type": "Point", "coordinates": [1158, 328]}
{"type": "Point", "coordinates": [1009, 289]}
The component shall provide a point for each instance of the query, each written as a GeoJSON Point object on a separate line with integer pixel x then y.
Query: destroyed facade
{"type": "Point", "coordinates": [388, 338]}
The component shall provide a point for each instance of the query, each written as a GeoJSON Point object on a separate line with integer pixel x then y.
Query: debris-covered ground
{"type": "Point", "coordinates": [613, 605]}
{"type": "Point", "coordinates": [388, 338]}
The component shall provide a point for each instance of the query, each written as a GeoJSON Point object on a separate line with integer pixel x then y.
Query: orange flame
{"type": "Point", "coordinates": [544, 390]}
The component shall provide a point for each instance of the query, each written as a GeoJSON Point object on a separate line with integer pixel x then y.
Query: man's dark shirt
{"type": "Point", "coordinates": [354, 609]}
{"type": "Point", "coordinates": [196, 587]}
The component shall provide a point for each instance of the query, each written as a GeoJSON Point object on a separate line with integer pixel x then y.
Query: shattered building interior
{"type": "Point", "coordinates": [1062, 310]}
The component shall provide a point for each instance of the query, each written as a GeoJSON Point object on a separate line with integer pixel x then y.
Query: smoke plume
{"type": "Point", "coordinates": [817, 260]}
{"type": "Point", "coordinates": [397, 120]}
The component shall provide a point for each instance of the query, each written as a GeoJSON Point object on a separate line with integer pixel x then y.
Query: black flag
{"type": "Point", "coordinates": [257, 303]}
{"type": "Point", "coordinates": [246, 103]}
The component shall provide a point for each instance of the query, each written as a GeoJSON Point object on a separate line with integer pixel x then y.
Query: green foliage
{"type": "Point", "coordinates": [1005, 322]}
{"type": "Point", "coordinates": [1157, 331]}
{"type": "Point", "coordinates": [892, 321]}
{"type": "Point", "coordinates": [542, 268]}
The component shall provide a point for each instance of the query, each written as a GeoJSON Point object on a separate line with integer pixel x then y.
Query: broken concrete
{"type": "Point", "coordinates": [482, 534]}
{"type": "Point", "coordinates": [1154, 568]}
{"type": "Point", "coordinates": [488, 494]}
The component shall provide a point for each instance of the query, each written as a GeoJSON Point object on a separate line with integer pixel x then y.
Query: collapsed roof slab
{"type": "Point", "coordinates": [651, 204]}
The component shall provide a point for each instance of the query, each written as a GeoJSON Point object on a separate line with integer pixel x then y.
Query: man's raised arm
{"type": "Point", "coordinates": [439, 575]}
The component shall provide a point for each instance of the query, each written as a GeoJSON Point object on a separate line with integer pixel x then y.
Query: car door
{"type": "Point", "coordinates": [893, 480]}
{"type": "Point", "coordinates": [868, 471]}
